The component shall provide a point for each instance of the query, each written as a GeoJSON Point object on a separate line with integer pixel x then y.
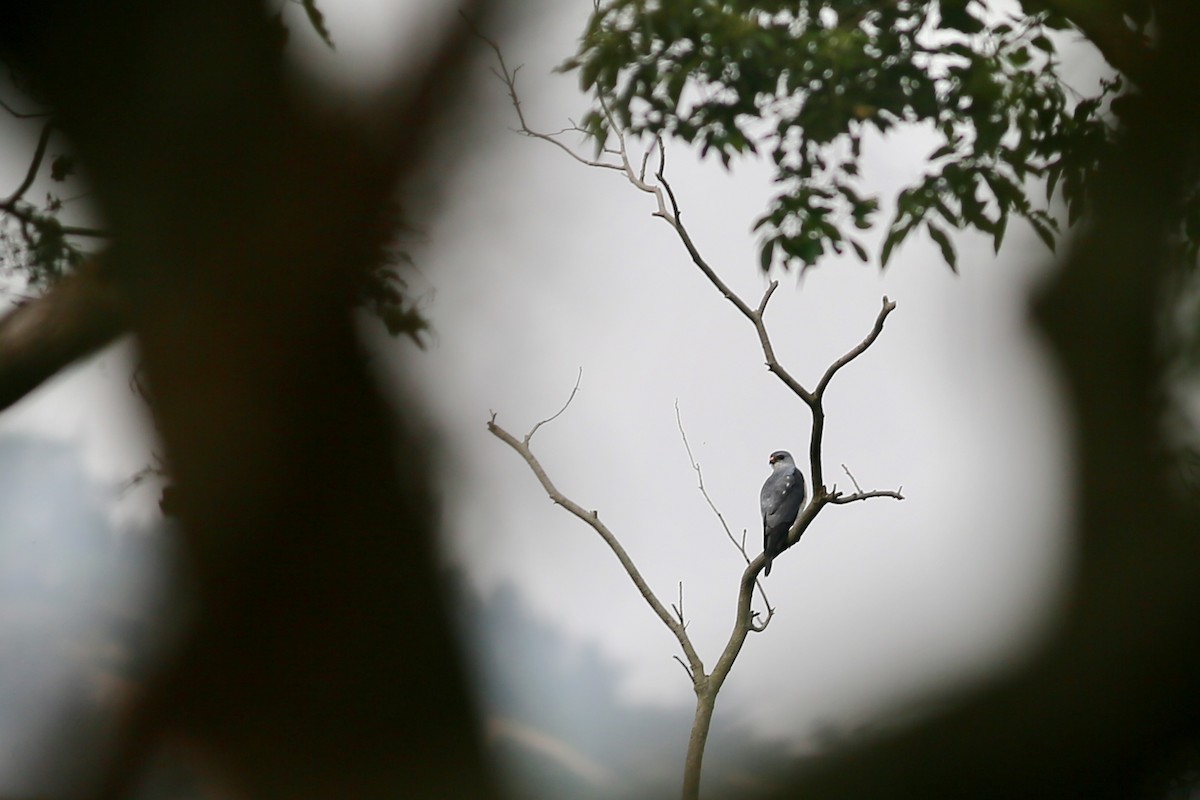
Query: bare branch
{"type": "Point", "coordinates": [850, 475]}
{"type": "Point", "coordinates": [741, 546]}
{"type": "Point", "coordinates": [860, 348]}
{"type": "Point", "coordinates": [754, 624]}
{"type": "Point", "coordinates": [23, 213]}
{"type": "Point", "coordinates": [700, 480]}
{"type": "Point", "coordinates": [816, 401]}
{"type": "Point", "coordinates": [646, 156]}
{"type": "Point", "coordinates": [679, 608]}
{"type": "Point", "coordinates": [837, 498]}
{"type": "Point", "coordinates": [686, 669]}
{"type": "Point", "coordinates": [592, 519]}
{"type": "Point", "coordinates": [39, 153]}
{"type": "Point", "coordinates": [534, 430]}
{"type": "Point", "coordinates": [762, 304]}
{"type": "Point", "coordinates": [669, 211]}
{"type": "Point", "coordinates": [841, 500]}
{"type": "Point", "coordinates": [673, 219]}
{"type": "Point", "coordinates": [509, 78]}
{"type": "Point", "coordinates": [755, 316]}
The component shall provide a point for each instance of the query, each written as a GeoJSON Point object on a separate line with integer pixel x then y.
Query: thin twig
{"type": "Point", "coordinates": [679, 608]}
{"type": "Point", "coordinates": [700, 484]}
{"type": "Point", "coordinates": [841, 500]}
{"type": "Point", "coordinates": [860, 348]}
{"type": "Point", "coordinates": [741, 546]}
{"type": "Point", "coordinates": [34, 166]}
{"type": "Point", "coordinates": [509, 78]}
{"type": "Point", "coordinates": [816, 402]}
{"type": "Point", "coordinates": [23, 213]}
{"type": "Point", "coordinates": [559, 413]}
{"type": "Point", "coordinates": [850, 475]}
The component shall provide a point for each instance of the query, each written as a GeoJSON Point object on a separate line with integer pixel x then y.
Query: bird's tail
{"type": "Point", "coordinates": [767, 568]}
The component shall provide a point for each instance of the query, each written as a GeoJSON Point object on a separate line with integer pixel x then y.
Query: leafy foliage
{"type": "Point", "coordinates": [35, 248]}
{"type": "Point", "coordinates": [383, 290]}
{"type": "Point", "coordinates": [317, 20]}
{"type": "Point", "coordinates": [802, 82]}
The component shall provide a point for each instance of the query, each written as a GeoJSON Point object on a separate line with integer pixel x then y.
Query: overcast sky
{"type": "Point", "coordinates": [538, 267]}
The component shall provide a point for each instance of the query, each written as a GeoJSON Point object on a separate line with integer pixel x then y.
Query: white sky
{"type": "Point", "coordinates": [539, 267]}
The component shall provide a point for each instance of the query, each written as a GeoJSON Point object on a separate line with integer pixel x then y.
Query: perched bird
{"type": "Point", "coordinates": [781, 498]}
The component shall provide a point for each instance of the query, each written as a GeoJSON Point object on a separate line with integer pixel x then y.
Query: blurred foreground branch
{"type": "Point", "coordinates": [82, 313]}
{"type": "Point", "coordinates": [318, 661]}
{"type": "Point", "coordinates": [1114, 693]}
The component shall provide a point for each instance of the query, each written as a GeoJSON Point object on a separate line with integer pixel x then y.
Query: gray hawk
{"type": "Point", "coordinates": [781, 499]}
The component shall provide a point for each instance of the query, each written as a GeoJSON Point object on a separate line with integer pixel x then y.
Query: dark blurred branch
{"type": "Point", "coordinates": [13, 206]}
{"type": "Point", "coordinates": [318, 661]}
{"type": "Point", "coordinates": [1113, 692]}
{"type": "Point", "coordinates": [23, 114]}
{"type": "Point", "coordinates": [1127, 50]}
{"type": "Point", "coordinates": [82, 313]}
{"type": "Point", "coordinates": [35, 164]}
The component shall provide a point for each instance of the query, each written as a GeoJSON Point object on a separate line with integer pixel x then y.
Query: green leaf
{"type": "Point", "coordinates": [859, 251]}
{"type": "Point", "coordinates": [943, 151]}
{"type": "Point", "coordinates": [317, 20]}
{"type": "Point", "coordinates": [1044, 227]}
{"type": "Point", "coordinates": [942, 240]}
{"type": "Point", "coordinates": [1043, 43]}
{"type": "Point", "coordinates": [1052, 175]}
{"type": "Point", "coordinates": [894, 237]}
{"type": "Point", "coordinates": [947, 213]}
{"type": "Point", "coordinates": [588, 73]}
{"type": "Point", "coordinates": [62, 167]}
{"type": "Point", "coordinates": [808, 83]}
{"type": "Point", "coordinates": [1020, 57]}
{"type": "Point", "coordinates": [766, 255]}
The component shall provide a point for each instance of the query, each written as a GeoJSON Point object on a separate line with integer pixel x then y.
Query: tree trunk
{"type": "Point", "coordinates": [706, 699]}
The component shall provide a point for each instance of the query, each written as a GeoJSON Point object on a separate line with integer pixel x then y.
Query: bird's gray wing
{"type": "Point", "coordinates": [781, 498]}
{"type": "Point", "coordinates": [781, 495]}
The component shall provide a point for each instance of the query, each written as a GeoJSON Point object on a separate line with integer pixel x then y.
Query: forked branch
{"type": "Point", "coordinates": [508, 76]}
{"type": "Point", "coordinates": [592, 519]}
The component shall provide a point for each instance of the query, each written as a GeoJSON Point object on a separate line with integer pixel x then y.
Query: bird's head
{"type": "Point", "coordinates": [782, 457]}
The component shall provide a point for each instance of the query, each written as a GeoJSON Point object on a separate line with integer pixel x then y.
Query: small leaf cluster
{"type": "Point", "coordinates": [803, 82]}
{"type": "Point", "coordinates": [384, 292]}
{"type": "Point", "coordinates": [36, 248]}
{"type": "Point", "coordinates": [317, 20]}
